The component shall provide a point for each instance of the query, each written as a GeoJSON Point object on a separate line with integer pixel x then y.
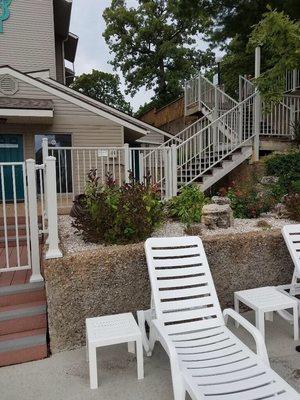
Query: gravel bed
{"type": "Point", "coordinates": [72, 242]}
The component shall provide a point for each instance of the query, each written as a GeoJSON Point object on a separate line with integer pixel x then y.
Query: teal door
{"type": "Point", "coordinates": [11, 150]}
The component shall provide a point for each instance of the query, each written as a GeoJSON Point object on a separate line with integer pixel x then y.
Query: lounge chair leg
{"type": "Point", "coordinates": [141, 322]}
{"type": "Point", "coordinates": [178, 386]}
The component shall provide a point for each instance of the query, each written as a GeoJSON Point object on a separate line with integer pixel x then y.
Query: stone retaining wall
{"type": "Point", "coordinates": [114, 279]}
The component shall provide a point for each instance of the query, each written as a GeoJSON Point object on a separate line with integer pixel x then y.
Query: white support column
{"type": "Point", "coordinates": [174, 170]}
{"type": "Point", "coordinates": [45, 154]}
{"type": "Point", "coordinates": [257, 107]}
{"type": "Point", "coordinates": [185, 99]}
{"type": "Point", "coordinates": [33, 223]}
{"type": "Point", "coordinates": [126, 162]}
{"type": "Point", "coordinates": [294, 85]}
{"type": "Point", "coordinates": [199, 92]}
{"type": "Point", "coordinates": [53, 248]}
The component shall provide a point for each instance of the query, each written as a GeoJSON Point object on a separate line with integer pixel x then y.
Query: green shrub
{"type": "Point", "coordinates": [286, 166]}
{"type": "Point", "coordinates": [112, 214]}
{"type": "Point", "coordinates": [292, 203]}
{"type": "Point", "coordinates": [249, 198]}
{"type": "Point", "coordinates": [187, 206]}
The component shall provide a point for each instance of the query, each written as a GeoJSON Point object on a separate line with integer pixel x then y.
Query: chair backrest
{"type": "Point", "coordinates": [291, 234]}
{"type": "Point", "coordinates": [183, 291]}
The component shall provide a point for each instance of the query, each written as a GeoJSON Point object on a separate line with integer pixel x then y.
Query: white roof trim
{"type": "Point", "coordinates": [56, 92]}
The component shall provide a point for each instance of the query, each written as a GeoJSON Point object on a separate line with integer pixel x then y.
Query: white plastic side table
{"type": "Point", "coordinates": [110, 330]}
{"type": "Point", "coordinates": [266, 300]}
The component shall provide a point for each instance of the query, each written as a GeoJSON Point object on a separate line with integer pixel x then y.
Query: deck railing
{"type": "Point", "coordinates": [211, 145]}
{"type": "Point", "coordinates": [28, 210]}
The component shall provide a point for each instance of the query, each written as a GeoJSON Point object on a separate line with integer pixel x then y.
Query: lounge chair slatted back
{"type": "Point", "coordinates": [183, 290]}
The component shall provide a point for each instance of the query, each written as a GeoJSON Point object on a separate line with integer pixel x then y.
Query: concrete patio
{"type": "Point", "coordinates": [64, 376]}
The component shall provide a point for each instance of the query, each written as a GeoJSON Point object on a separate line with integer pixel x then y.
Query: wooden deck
{"type": "Point", "coordinates": [14, 277]}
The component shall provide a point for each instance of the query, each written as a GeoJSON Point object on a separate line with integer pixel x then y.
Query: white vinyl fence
{"type": "Point", "coordinates": [120, 164]}
{"type": "Point", "coordinates": [28, 210]}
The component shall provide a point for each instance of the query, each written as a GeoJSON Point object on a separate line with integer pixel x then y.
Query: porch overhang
{"type": "Point", "coordinates": [62, 17]}
{"type": "Point", "coordinates": [71, 47]}
{"type": "Point", "coordinates": [34, 111]}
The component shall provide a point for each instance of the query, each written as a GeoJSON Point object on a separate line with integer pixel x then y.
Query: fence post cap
{"type": "Point", "coordinates": [30, 161]}
{"type": "Point", "coordinates": [50, 158]}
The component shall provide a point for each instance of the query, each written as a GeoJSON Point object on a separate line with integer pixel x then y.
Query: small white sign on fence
{"type": "Point", "coordinates": [102, 153]}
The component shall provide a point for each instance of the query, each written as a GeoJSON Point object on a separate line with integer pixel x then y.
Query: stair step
{"type": "Point", "coordinates": [20, 294]}
{"type": "Point", "coordinates": [22, 317]}
{"type": "Point", "coordinates": [22, 347]}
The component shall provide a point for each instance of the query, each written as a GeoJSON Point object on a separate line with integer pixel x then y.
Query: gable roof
{"type": "Point", "coordinates": [40, 80]}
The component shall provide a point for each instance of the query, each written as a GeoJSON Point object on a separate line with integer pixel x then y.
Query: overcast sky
{"type": "Point", "coordinates": [88, 24]}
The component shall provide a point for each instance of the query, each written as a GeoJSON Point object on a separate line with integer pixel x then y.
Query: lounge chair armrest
{"type": "Point", "coordinates": [259, 340]}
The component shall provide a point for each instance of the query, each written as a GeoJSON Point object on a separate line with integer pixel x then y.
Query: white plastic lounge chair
{"type": "Point", "coordinates": [291, 234]}
{"type": "Point", "coordinates": [207, 360]}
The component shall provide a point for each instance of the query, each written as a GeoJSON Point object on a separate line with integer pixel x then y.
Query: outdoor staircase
{"type": "Point", "coordinates": [23, 320]}
{"type": "Point", "coordinates": [223, 138]}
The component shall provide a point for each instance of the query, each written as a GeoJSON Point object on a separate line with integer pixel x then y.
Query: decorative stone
{"type": "Point", "coordinates": [281, 211]}
{"type": "Point", "coordinates": [194, 229]}
{"type": "Point", "coordinates": [217, 216]}
{"type": "Point", "coordinates": [268, 180]}
{"type": "Point", "coordinates": [220, 200]}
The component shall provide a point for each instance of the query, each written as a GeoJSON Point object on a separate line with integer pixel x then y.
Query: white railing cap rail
{"type": "Point", "coordinates": [238, 105]}
{"type": "Point", "coordinates": [218, 89]}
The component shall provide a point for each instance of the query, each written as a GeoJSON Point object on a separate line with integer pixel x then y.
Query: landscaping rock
{"type": "Point", "coordinates": [194, 230]}
{"type": "Point", "coordinates": [281, 211]}
{"type": "Point", "coordinates": [217, 216]}
{"type": "Point", "coordinates": [220, 200]}
{"type": "Point", "coordinates": [268, 180]}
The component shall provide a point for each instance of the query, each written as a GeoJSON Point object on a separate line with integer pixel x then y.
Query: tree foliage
{"type": "Point", "coordinates": [155, 44]}
{"type": "Point", "coordinates": [280, 39]}
{"type": "Point", "coordinates": [103, 87]}
{"type": "Point", "coordinates": [234, 21]}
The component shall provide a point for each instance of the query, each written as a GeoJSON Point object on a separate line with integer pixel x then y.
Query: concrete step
{"type": "Point", "coordinates": [22, 347]}
{"type": "Point", "coordinates": [22, 317]}
{"type": "Point", "coordinates": [22, 294]}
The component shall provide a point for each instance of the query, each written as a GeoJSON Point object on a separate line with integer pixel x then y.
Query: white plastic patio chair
{"type": "Point", "coordinates": [207, 360]}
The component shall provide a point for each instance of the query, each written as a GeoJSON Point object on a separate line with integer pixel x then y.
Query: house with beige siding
{"type": "Point", "coordinates": [35, 100]}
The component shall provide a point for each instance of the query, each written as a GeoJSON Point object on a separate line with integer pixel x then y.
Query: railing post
{"type": "Point", "coordinates": [126, 162]}
{"type": "Point", "coordinates": [174, 170]}
{"type": "Point", "coordinates": [292, 118]}
{"type": "Point", "coordinates": [53, 247]}
{"type": "Point", "coordinates": [199, 92]}
{"type": "Point", "coordinates": [257, 107]}
{"type": "Point", "coordinates": [294, 85]}
{"type": "Point", "coordinates": [45, 154]}
{"type": "Point", "coordinates": [33, 222]}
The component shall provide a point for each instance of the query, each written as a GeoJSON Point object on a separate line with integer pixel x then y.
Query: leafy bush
{"type": "Point", "coordinates": [112, 214]}
{"type": "Point", "coordinates": [250, 198]}
{"type": "Point", "coordinates": [187, 206]}
{"type": "Point", "coordinates": [292, 203]}
{"type": "Point", "coordinates": [296, 132]}
{"type": "Point", "coordinates": [286, 166]}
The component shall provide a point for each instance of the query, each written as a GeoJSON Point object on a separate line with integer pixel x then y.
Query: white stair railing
{"type": "Point", "coordinates": [200, 91]}
{"type": "Point", "coordinates": [208, 147]}
{"type": "Point", "coordinates": [292, 80]}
